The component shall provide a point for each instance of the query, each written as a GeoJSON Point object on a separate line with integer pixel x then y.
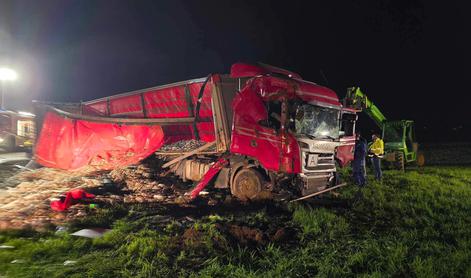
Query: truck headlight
{"type": "Point", "coordinates": [1, 140]}
{"type": "Point", "coordinates": [303, 145]}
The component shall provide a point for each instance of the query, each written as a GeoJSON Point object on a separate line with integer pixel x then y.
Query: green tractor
{"type": "Point", "coordinates": [400, 145]}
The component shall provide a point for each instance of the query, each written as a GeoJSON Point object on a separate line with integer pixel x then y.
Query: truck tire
{"type": "Point", "coordinates": [247, 184]}
{"type": "Point", "coordinates": [399, 161]}
{"type": "Point", "coordinates": [10, 144]}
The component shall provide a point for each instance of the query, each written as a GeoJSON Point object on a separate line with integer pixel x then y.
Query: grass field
{"type": "Point", "coordinates": [414, 224]}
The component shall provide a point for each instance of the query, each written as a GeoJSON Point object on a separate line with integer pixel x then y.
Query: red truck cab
{"type": "Point", "coordinates": [290, 127]}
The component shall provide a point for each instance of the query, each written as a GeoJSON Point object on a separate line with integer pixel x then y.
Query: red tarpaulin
{"type": "Point", "coordinates": [169, 101]}
{"type": "Point", "coordinates": [71, 144]}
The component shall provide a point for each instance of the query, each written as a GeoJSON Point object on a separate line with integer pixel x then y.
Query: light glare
{"type": "Point", "coordinates": [23, 113]}
{"type": "Point", "coordinates": [7, 74]}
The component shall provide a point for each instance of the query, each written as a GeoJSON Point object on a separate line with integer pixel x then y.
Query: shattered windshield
{"type": "Point", "coordinates": [316, 121]}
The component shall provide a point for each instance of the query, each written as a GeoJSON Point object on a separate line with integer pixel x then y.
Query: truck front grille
{"type": "Point", "coordinates": [325, 162]}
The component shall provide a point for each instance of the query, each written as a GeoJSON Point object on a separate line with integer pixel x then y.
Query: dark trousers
{"type": "Point", "coordinates": [359, 174]}
{"type": "Point", "coordinates": [376, 161]}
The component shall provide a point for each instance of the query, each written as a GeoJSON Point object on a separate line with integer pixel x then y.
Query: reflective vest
{"type": "Point", "coordinates": [377, 148]}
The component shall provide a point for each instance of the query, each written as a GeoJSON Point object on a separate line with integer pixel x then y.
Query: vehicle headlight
{"type": "Point", "coordinates": [303, 145]}
{"type": "Point", "coordinates": [1, 140]}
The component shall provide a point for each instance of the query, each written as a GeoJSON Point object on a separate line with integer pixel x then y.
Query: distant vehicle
{"type": "Point", "coordinates": [400, 144]}
{"type": "Point", "coordinates": [16, 130]}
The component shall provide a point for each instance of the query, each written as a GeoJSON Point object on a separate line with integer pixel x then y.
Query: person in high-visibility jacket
{"type": "Point", "coordinates": [376, 151]}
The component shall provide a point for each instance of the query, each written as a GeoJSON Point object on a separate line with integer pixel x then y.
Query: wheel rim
{"type": "Point", "coordinates": [247, 184]}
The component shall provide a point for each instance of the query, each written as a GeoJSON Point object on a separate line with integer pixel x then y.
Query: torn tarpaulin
{"type": "Point", "coordinates": [73, 143]}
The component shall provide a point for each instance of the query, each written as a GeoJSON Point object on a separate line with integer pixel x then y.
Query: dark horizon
{"type": "Point", "coordinates": [410, 57]}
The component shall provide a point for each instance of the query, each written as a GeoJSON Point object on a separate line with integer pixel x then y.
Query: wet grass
{"type": "Point", "coordinates": [414, 224]}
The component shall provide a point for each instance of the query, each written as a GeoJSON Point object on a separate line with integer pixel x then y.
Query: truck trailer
{"type": "Point", "coordinates": [262, 129]}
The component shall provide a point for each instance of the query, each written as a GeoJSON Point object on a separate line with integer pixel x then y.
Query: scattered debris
{"type": "Point", "coordinates": [22, 167]}
{"type": "Point", "coordinates": [25, 203]}
{"type": "Point", "coordinates": [68, 262]}
{"type": "Point", "coordinates": [91, 233]}
{"type": "Point", "coordinates": [146, 185]}
{"type": "Point", "coordinates": [61, 229]}
{"type": "Point", "coordinates": [17, 262]}
{"type": "Point", "coordinates": [184, 146]}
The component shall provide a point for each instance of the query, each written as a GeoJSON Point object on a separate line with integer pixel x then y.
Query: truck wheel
{"type": "Point", "coordinates": [247, 184]}
{"type": "Point", "coordinates": [399, 161]}
{"type": "Point", "coordinates": [10, 144]}
{"type": "Point", "coordinates": [420, 159]}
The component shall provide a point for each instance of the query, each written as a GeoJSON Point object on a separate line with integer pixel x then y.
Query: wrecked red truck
{"type": "Point", "coordinates": [264, 129]}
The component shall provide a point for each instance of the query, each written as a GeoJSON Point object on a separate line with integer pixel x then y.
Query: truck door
{"type": "Point", "coordinates": [345, 151]}
{"type": "Point", "coordinates": [256, 129]}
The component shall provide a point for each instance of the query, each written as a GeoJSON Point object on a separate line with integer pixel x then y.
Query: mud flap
{"type": "Point", "coordinates": [208, 177]}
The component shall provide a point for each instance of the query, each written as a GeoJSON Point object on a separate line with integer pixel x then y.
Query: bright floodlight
{"type": "Point", "coordinates": [28, 114]}
{"type": "Point", "coordinates": [7, 74]}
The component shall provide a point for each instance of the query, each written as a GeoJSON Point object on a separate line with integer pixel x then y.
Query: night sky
{"type": "Point", "coordinates": [411, 57]}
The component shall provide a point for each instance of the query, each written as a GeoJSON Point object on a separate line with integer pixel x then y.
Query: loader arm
{"type": "Point", "coordinates": [400, 144]}
{"type": "Point", "coordinates": [357, 99]}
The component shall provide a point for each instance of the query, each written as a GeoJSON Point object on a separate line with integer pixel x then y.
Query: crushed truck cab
{"type": "Point", "coordinates": [287, 126]}
{"type": "Point", "coordinates": [263, 129]}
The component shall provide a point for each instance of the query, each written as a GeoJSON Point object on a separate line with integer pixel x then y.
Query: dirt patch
{"type": "Point", "coordinates": [192, 236]}
{"type": "Point", "coordinates": [280, 235]}
{"type": "Point", "coordinates": [245, 235]}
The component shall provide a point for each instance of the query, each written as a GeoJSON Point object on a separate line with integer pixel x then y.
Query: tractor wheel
{"type": "Point", "coordinates": [420, 159]}
{"type": "Point", "coordinates": [247, 184]}
{"type": "Point", "coordinates": [399, 161]}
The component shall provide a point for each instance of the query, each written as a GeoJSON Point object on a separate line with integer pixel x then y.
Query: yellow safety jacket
{"type": "Point", "coordinates": [377, 147]}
